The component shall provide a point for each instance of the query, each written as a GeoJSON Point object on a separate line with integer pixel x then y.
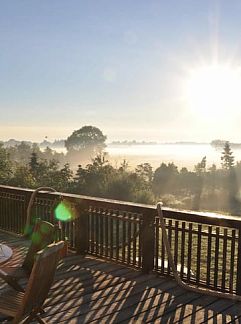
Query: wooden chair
{"type": "Point", "coordinates": [24, 307]}
{"type": "Point", "coordinates": [44, 233]}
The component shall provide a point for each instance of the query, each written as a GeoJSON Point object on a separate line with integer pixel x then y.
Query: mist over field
{"type": "Point", "coordinates": [182, 155]}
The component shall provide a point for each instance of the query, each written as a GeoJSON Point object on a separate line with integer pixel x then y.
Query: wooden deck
{"type": "Point", "coordinates": [90, 290]}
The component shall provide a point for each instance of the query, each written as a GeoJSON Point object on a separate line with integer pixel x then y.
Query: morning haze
{"type": "Point", "coordinates": [120, 142]}
{"type": "Point", "coordinates": [131, 68]}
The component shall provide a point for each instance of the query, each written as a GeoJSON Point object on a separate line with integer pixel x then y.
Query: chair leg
{"type": "Point", "coordinates": [33, 316]}
{"type": "Point", "coordinates": [13, 283]}
{"type": "Point", "coordinates": [28, 319]}
{"type": "Point", "coordinates": [40, 320]}
{"type": "Point", "coordinates": [41, 311]}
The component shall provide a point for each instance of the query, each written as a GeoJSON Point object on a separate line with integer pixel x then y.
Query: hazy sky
{"type": "Point", "coordinates": [120, 65]}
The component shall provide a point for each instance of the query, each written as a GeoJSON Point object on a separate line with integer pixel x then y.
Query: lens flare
{"type": "Point", "coordinates": [64, 212]}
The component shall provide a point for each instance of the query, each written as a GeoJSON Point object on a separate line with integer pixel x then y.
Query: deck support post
{"type": "Point", "coordinates": [148, 242]}
{"type": "Point", "coordinates": [82, 230]}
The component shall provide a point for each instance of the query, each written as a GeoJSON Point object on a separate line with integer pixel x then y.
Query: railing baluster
{"type": "Point", "coordinates": [170, 241]}
{"type": "Point", "coordinates": [238, 282]}
{"type": "Point", "coordinates": [129, 239]}
{"type": "Point", "coordinates": [107, 234]}
{"type": "Point", "coordinates": [198, 253]}
{"type": "Point", "coordinates": [134, 239]}
{"type": "Point", "coordinates": [176, 243]}
{"type": "Point", "coordinates": [231, 270]}
{"type": "Point", "coordinates": [189, 255]}
{"type": "Point", "coordinates": [124, 238]}
{"type": "Point", "coordinates": [111, 236]}
{"type": "Point", "coordinates": [216, 270]}
{"type": "Point", "coordinates": [117, 237]}
{"type": "Point", "coordinates": [182, 249]}
{"type": "Point", "coordinates": [163, 251]}
{"type": "Point", "coordinates": [157, 244]}
{"type": "Point", "coordinates": [101, 215]}
{"type": "Point", "coordinates": [225, 233]}
{"type": "Point", "coordinates": [209, 250]}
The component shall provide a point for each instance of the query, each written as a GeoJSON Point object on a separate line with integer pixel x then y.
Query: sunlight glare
{"type": "Point", "coordinates": [214, 89]}
{"type": "Point", "coordinates": [64, 211]}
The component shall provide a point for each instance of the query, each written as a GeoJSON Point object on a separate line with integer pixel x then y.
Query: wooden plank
{"type": "Point", "coordinates": [187, 313]}
{"type": "Point", "coordinates": [159, 312]}
{"type": "Point", "coordinates": [97, 301]}
{"type": "Point", "coordinates": [88, 289]}
{"type": "Point", "coordinates": [113, 309]}
{"type": "Point", "coordinates": [209, 313]}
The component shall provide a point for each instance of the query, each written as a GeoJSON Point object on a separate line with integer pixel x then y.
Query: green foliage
{"type": "Point", "coordinates": [87, 138]}
{"type": "Point", "coordinates": [145, 171]}
{"type": "Point", "coordinates": [164, 179]}
{"type": "Point", "coordinates": [23, 177]}
{"type": "Point", "coordinates": [5, 166]}
{"type": "Point", "coordinates": [200, 168]}
{"type": "Point", "coordinates": [227, 157]}
{"type": "Point", "coordinates": [204, 188]}
{"type": "Point", "coordinates": [93, 179]}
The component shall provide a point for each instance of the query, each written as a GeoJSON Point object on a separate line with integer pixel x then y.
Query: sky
{"type": "Point", "coordinates": [123, 66]}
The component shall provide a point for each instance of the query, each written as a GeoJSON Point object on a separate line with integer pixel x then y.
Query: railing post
{"type": "Point", "coordinates": [82, 230]}
{"type": "Point", "coordinates": [238, 284]}
{"type": "Point", "coordinates": [148, 242]}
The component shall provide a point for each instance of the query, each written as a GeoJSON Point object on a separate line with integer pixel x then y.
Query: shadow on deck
{"type": "Point", "coordinates": [87, 289]}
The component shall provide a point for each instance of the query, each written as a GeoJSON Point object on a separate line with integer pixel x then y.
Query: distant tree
{"type": "Point", "coordinates": [164, 179]}
{"type": "Point", "coordinates": [124, 166]}
{"type": "Point", "coordinates": [88, 139]}
{"type": "Point", "coordinates": [201, 166]}
{"type": "Point", "coordinates": [34, 164]}
{"type": "Point", "coordinates": [200, 170]}
{"type": "Point", "coordinates": [233, 193]}
{"type": "Point", "coordinates": [227, 157]}
{"type": "Point", "coordinates": [94, 178]}
{"type": "Point", "coordinates": [145, 170]}
{"type": "Point", "coordinates": [23, 177]}
{"type": "Point", "coordinates": [60, 179]}
{"type": "Point", "coordinates": [5, 166]}
{"type": "Point", "coordinates": [21, 153]}
{"type": "Point", "coordinates": [187, 182]}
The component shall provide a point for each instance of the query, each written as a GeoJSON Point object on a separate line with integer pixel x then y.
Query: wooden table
{"type": "Point", "coordinates": [5, 253]}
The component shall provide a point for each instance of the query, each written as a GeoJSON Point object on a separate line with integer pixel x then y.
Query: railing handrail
{"type": "Point", "coordinates": [206, 246]}
{"type": "Point", "coordinates": [207, 218]}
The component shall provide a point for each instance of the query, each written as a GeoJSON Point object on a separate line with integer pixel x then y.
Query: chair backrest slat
{"type": "Point", "coordinates": [41, 278]}
{"type": "Point", "coordinates": [43, 235]}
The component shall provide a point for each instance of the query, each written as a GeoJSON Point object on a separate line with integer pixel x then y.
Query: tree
{"type": "Point", "coordinates": [200, 170]}
{"type": "Point", "coordinates": [34, 164]}
{"type": "Point", "coordinates": [23, 177]}
{"type": "Point", "coordinates": [145, 170]}
{"type": "Point", "coordinates": [88, 139]}
{"type": "Point", "coordinates": [227, 157]}
{"type": "Point", "coordinates": [5, 166]}
{"type": "Point", "coordinates": [164, 179]}
{"type": "Point", "coordinates": [93, 180]}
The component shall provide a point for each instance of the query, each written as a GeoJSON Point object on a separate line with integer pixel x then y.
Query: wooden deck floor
{"type": "Point", "coordinates": [90, 290]}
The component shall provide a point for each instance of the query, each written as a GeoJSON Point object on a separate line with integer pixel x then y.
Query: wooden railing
{"type": "Point", "coordinates": [206, 247]}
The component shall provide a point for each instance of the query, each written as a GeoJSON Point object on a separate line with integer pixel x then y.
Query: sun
{"type": "Point", "coordinates": [214, 90]}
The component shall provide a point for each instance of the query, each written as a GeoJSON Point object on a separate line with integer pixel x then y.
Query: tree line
{"type": "Point", "coordinates": [214, 189]}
